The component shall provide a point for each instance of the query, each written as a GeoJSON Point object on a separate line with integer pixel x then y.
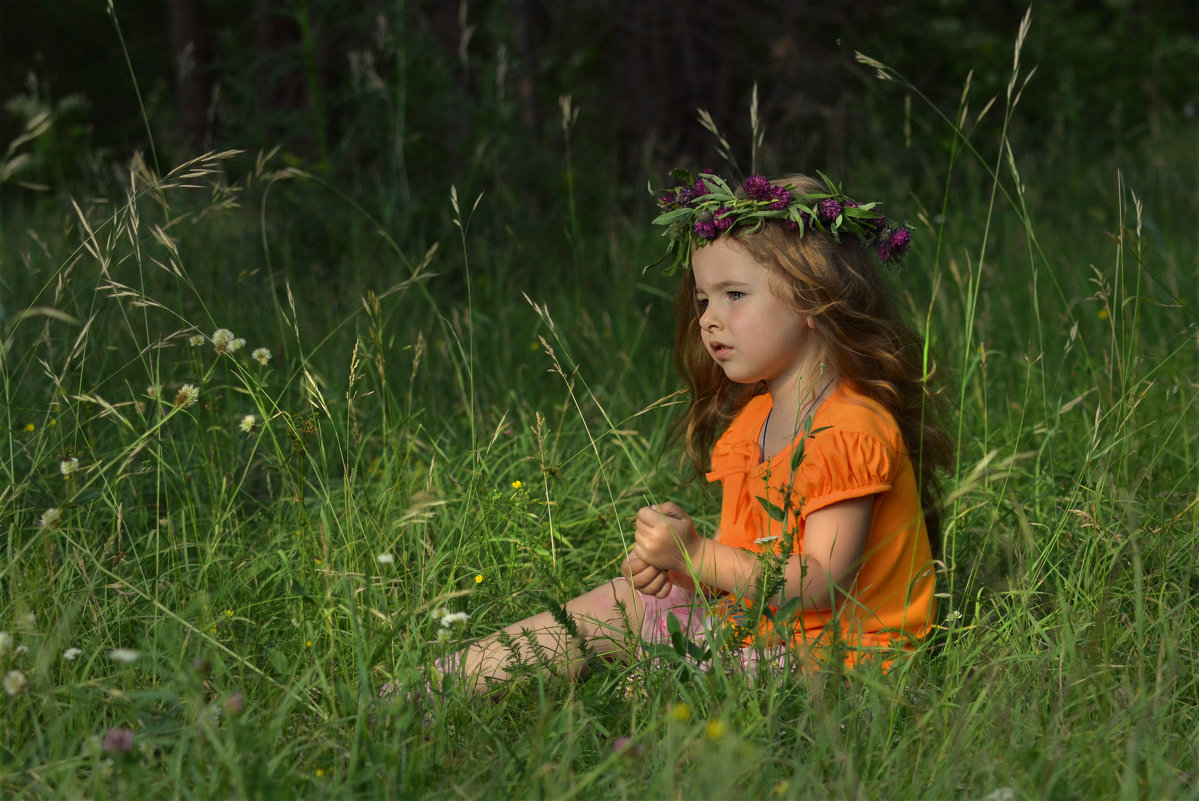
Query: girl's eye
{"type": "Point", "coordinates": [701, 305]}
{"type": "Point", "coordinates": [734, 295]}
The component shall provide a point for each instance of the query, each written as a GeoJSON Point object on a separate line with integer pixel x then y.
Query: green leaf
{"type": "Point", "coordinates": [673, 216]}
{"type": "Point", "coordinates": [775, 512]}
{"type": "Point", "coordinates": [683, 176]}
{"type": "Point", "coordinates": [797, 455]}
{"type": "Point", "coordinates": [676, 634]}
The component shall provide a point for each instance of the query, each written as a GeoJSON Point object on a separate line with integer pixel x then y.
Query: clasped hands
{"type": "Point", "coordinates": [665, 540]}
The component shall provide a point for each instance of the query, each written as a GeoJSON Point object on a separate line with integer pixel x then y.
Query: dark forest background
{"type": "Point", "coordinates": [408, 96]}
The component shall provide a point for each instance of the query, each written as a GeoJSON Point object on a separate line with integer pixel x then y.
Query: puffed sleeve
{"type": "Point", "coordinates": [840, 465]}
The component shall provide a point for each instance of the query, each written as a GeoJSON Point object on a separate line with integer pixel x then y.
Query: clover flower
{"type": "Point", "coordinates": [50, 518]}
{"type": "Point", "coordinates": [187, 396]}
{"type": "Point", "coordinates": [118, 740]}
{"type": "Point", "coordinates": [828, 209]}
{"type": "Point", "coordinates": [15, 683]}
{"type": "Point", "coordinates": [236, 344]}
{"type": "Point", "coordinates": [5, 642]}
{"type": "Point", "coordinates": [722, 220]}
{"type": "Point", "coordinates": [68, 465]}
{"type": "Point", "coordinates": [450, 618]}
{"type": "Point", "coordinates": [221, 339]}
{"type": "Point", "coordinates": [195, 340]}
{"type": "Point", "coordinates": [71, 654]}
{"type": "Point", "coordinates": [248, 423]}
{"type": "Point", "coordinates": [901, 240]}
{"type": "Point", "coordinates": [780, 198]}
{"type": "Point", "coordinates": [385, 559]}
{"type": "Point", "coordinates": [125, 655]}
{"type": "Point", "coordinates": [261, 355]}
{"type": "Point", "coordinates": [757, 187]}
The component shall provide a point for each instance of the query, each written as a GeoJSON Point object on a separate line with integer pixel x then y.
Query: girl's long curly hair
{"type": "Point", "coordinates": [841, 287]}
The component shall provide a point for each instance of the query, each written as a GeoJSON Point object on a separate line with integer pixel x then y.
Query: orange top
{"type": "Point", "coordinates": [859, 452]}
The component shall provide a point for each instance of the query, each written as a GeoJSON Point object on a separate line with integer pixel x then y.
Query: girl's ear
{"type": "Point", "coordinates": [809, 321]}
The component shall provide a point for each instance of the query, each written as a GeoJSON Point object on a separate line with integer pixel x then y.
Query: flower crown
{"type": "Point", "coordinates": [703, 207]}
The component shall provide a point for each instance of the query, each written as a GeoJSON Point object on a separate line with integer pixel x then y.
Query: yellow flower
{"type": "Point", "coordinates": [320, 774]}
{"type": "Point", "coordinates": [228, 613]}
{"type": "Point", "coordinates": [1103, 314]}
{"type": "Point", "coordinates": [479, 578]}
{"type": "Point", "coordinates": [680, 712]}
{"type": "Point", "coordinates": [30, 427]}
{"type": "Point", "coordinates": [516, 484]}
{"type": "Point", "coordinates": [715, 729]}
{"type": "Point", "coordinates": [307, 643]}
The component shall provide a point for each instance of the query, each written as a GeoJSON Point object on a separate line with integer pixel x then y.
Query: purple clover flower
{"type": "Point", "coordinates": [757, 188]}
{"type": "Point", "coordinates": [684, 195]}
{"type": "Point", "coordinates": [705, 226]}
{"type": "Point", "coordinates": [722, 220]}
{"type": "Point", "coordinates": [118, 741]}
{"type": "Point", "coordinates": [900, 240]}
{"type": "Point", "coordinates": [883, 249]}
{"type": "Point", "coordinates": [828, 209]}
{"type": "Point", "coordinates": [780, 198]}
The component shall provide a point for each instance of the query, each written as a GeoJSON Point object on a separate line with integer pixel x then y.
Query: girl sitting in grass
{"type": "Point", "coordinates": [809, 403]}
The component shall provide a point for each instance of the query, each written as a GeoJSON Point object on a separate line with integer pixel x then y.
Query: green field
{"type": "Point", "coordinates": [464, 415]}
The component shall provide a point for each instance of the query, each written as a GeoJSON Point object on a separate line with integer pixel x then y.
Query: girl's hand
{"type": "Point", "coordinates": [666, 537]}
{"type": "Point", "coordinates": [646, 579]}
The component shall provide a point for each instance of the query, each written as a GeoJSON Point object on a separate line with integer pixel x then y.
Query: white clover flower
{"type": "Point", "coordinates": [451, 618]}
{"type": "Point", "coordinates": [261, 355]}
{"type": "Point", "coordinates": [236, 344]}
{"type": "Point", "coordinates": [154, 391]}
{"type": "Point", "coordinates": [221, 339]}
{"type": "Point", "coordinates": [5, 642]}
{"type": "Point", "coordinates": [248, 422]}
{"type": "Point", "coordinates": [196, 340]}
{"type": "Point", "coordinates": [764, 540]}
{"type": "Point", "coordinates": [67, 466]}
{"type": "Point", "coordinates": [15, 682]}
{"type": "Point", "coordinates": [51, 518]}
{"type": "Point", "coordinates": [385, 559]}
{"type": "Point", "coordinates": [71, 654]}
{"type": "Point", "coordinates": [126, 655]}
{"type": "Point", "coordinates": [20, 649]}
{"type": "Point", "coordinates": [187, 396]}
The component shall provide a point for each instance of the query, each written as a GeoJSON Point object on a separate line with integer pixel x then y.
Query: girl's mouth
{"type": "Point", "coordinates": [719, 350]}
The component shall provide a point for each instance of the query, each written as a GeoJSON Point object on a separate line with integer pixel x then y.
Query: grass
{"type": "Point", "coordinates": [442, 427]}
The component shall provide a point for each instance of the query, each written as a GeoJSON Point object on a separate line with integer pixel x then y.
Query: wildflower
{"type": "Point", "coordinates": [626, 748]}
{"type": "Point", "coordinates": [50, 518]}
{"type": "Point", "coordinates": [722, 219]}
{"type": "Point", "coordinates": [901, 239]}
{"type": "Point", "coordinates": [780, 198]}
{"type": "Point", "coordinates": [715, 729]}
{"type": "Point", "coordinates": [235, 704]}
{"type": "Point", "coordinates": [21, 649]}
{"type": "Point", "coordinates": [154, 391]}
{"type": "Point", "coordinates": [236, 344]}
{"type": "Point", "coordinates": [829, 209]}
{"type": "Point", "coordinates": [68, 465]}
{"type": "Point", "coordinates": [261, 355]}
{"type": "Point", "coordinates": [5, 642]}
{"type": "Point", "coordinates": [187, 396]}
{"type": "Point", "coordinates": [228, 613]}
{"type": "Point", "coordinates": [757, 187]}
{"type": "Point", "coordinates": [71, 654]}
{"type": "Point", "coordinates": [478, 578]}
{"type": "Point", "coordinates": [196, 340]}
{"type": "Point", "coordinates": [681, 712]}
{"type": "Point", "coordinates": [385, 559]}
{"type": "Point", "coordinates": [248, 423]}
{"type": "Point", "coordinates": [450, 618]}
{"type": "Point", "coordinates": [15, 683]}
{"type": "Point", "coordinates": [1103, 314]}
{"type": "Point", "coordinates": [705, 226]}
{"type": "Point", "coordinates": [118, 741]}
{"type": "Point", "coordinates": [517, 484]}
{"type": "Point", "coordinates": [30, 427]}
{"type": "Point", "coordinates": [126, 655]}
{"type": "Point", "coordinates": [221, 339]}
{"type": "Point", "coordinates": [320, 774]}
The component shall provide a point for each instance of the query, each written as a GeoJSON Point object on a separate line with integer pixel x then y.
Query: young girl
{"type": "Point", "coordinates": [809, 394]}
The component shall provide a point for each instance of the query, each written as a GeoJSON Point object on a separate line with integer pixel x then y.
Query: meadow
{"type": "Point", "coordinates": [263, 441]}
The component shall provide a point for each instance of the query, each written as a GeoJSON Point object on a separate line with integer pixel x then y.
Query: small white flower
{"type": "Point", "coordinates": [15, 682]}
{"type": "Point", "coordinates": [187, 396]}
{"type": "Point", "coordinates": [236, 344]}
{"type": "Point", "coordinates": [221, 339]}
{"type": "Point", "coordinates": [68, 466]}
{"type": "Point", "coordinates": [154, 391]}
{"type": "Point", "coordinates": [71, 654]}
{"type": "Point", "coordinates": [196, 340]}
{"type": "Point", "coordinates": [764, 540]}
{"type": "Point", "coordinates": [261, 355]}
{"type": "Point", "coordinates": [954, 616]}
{"type": "Point", "coordinates": [50, 518]}
{"type": "Point", "coordinates": [20, 649]}
{"type": "Point", "coordinates": [126, 655]}
{"type": "Point", "coordinates": [451, 618]}
{"type": "Point", "coordinates": [248, 422]}
{"type": "Point", "coordinates": [385, 559]}
{"type": "Point", "coordinates": [5, 642]}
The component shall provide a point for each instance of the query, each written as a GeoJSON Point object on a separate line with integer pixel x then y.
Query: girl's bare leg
{"type": "Point", "coordinates": [604, 616]}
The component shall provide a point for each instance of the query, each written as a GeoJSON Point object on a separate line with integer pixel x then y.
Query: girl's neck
{"type": "Point", "coordinates": [798, 394]}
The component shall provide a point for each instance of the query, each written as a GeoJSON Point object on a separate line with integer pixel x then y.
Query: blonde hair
{"type": "Point", "coordinates": [841, 288]}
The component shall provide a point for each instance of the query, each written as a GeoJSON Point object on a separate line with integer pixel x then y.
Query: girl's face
{"type": "Point", "coordinates": [745, 327]}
